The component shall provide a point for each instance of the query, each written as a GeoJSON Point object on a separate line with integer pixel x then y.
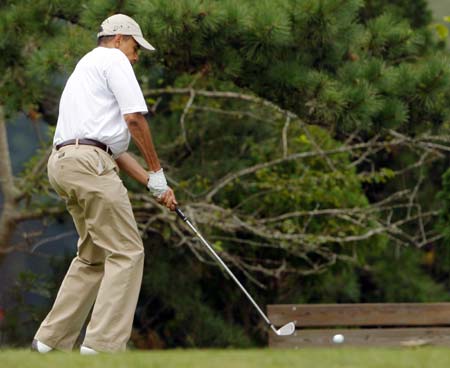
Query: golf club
{"type": "Point", "coordinates": [287, 329]}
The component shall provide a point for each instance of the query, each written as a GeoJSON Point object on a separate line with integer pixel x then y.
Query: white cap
{"type": "Point", "coordinates": [124, 25]}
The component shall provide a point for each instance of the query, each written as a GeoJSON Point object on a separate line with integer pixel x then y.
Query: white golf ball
{"type": "Point", "coordinates": [338, 339]}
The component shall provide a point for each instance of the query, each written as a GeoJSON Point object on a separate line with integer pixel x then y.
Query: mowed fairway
{"type": "Point", "coordinates": [311, 358]}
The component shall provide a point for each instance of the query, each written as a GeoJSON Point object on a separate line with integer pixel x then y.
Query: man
{"type": "Point", "coordinates": [101, 106]}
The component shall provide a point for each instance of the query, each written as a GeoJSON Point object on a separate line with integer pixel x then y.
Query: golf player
{"type": "Point", "coordinates": [101, 107]}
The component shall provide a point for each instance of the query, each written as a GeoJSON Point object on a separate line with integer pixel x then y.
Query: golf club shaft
{"type": "Point", "coordinates": [222, 263]}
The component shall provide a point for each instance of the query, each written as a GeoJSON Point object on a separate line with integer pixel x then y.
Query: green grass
{"type": "Point", "coordinates": [263, 358]}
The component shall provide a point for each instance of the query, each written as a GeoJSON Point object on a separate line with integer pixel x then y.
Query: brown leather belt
{"type": "Point", "coordinates": [85, 141]}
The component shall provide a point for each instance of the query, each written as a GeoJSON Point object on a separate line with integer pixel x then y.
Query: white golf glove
{"type": "Point", "coordinates": [157, 183]}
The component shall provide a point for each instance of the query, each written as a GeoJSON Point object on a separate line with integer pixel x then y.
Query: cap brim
{"type": "Point", "coordinates": [143, 43]}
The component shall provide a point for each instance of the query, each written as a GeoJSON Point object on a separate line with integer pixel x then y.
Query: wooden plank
{"type": "Point", "coordinates": [385, 314]}
{"type": "Point", "coordinates": [378, 337]}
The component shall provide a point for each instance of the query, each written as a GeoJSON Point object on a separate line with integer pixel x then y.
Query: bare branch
{"type": "Point", "coordinates": [284, 136]}
{"type": "Point", "coordinates": [183, 117]}
{"type": "Point", "coordinates": [220, 94]}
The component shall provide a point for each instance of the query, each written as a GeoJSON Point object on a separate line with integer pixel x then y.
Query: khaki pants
{"type": "Point", "coordinates": [107, 270]}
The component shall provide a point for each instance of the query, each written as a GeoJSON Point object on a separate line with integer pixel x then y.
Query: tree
{"type": "Point", "coordinates": [311, 57]}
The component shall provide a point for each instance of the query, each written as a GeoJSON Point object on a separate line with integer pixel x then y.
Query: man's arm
{"type": "Point", "coordinates": [131, 167]}
{"type": "Point", "coordinates": [140, 132]}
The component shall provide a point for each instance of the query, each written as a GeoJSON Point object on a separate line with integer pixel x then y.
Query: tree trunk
{"type": "Point", "coordinates": [8, 188]}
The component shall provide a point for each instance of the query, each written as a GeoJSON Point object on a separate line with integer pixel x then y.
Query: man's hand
{"type": "Point", "coordinates": [168, 199]}
{"type": "Point", "coordinates": [157, 185]}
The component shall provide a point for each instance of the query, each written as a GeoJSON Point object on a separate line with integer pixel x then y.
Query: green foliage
{"type": "Point", "coordinates": [400, 277]}
{"type": "Point", "coordinates": [21, 317]}
{"type": "Point", "coordinates": [442, 267]}
{"type": "Point", "coordinates": [398, 274]}
{"type": "Point", "coordinates": [382, 274]}
{"type": "Point", "coordinates": [416, 12]}
{"type": "Point", "coordinates": [442, 31]}
{"type": "Point", "coordinates": [340, 284]}
{"type": "Point", "coordinates": [291, 52]}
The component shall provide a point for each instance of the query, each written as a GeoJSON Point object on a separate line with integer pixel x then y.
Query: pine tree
{"type": "Point", "coordinates": [415, 12]}
{"type": "Point", "coordinates": [313, 57]}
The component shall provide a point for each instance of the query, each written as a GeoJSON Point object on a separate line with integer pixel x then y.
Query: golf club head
{"type": "Point", "coordinates": [286, 330]}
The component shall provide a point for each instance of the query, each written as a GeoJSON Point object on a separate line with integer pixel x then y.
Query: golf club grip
{"type": "Point", "coordinates": [181, 214]}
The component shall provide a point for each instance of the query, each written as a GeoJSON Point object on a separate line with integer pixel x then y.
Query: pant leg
{"type": "Point", "coordinates": [75, 298]}
{"type": "Point", "coordinates": [86, 176]}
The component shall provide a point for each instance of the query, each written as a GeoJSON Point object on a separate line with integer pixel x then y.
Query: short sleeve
{"type": "Point", "coordinates": [123, 84]}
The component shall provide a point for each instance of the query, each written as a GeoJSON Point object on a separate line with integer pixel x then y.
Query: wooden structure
{"type": "Point", "coordinates": [390, 324]}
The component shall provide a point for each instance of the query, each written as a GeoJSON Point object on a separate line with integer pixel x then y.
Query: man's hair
{"type": "Point", "coordinates": [105, 39]}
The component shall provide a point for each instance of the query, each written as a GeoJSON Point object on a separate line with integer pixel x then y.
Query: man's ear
{"type": "Point", "coordinates": [117, 40]}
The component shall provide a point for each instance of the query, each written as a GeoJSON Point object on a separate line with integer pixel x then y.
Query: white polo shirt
{"type": "Point", "coordinates": [101, 89]}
